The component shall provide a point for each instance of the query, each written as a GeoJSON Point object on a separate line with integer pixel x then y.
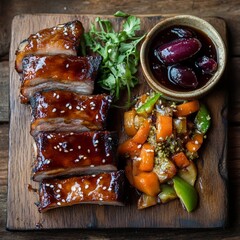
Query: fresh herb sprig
{"type": "Point", "coordinates": [119, 52]}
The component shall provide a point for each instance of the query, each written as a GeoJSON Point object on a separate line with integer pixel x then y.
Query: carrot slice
{"type": "Point", "coordinates": [147, 158]}
{"type": "Point", "coordinates": [136, 169]}
{"type": "Point", "coordinates": [147, 182]}
{"type": "Point", "coordinates": [194, 144]}
{"type": "Point", "coordinates": [181, 160]}
{"type": "Point", "coordinates": [129, 123]}
{"type": "Point", "coordinates": [142, 134]}
{"type": "Point", "coordinates": [164, 127]}
{"type": "Point", "coordinates": [129, 147]}
{"type": "Point", "coordinates": [187, 108]}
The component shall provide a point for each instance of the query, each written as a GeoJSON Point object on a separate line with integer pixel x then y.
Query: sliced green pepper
{"type": "Point", "coordinates": [148, 105]}
{"type": "Point", "coordinates": [186, 192]}
{"type": "Point", "coordinates": [203, 119]}
{"type": "Point", "coordinates": [167, 193]}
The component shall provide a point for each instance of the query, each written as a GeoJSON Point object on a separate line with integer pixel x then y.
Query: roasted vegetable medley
{"type": "Point", "coordinates": [160, 154]}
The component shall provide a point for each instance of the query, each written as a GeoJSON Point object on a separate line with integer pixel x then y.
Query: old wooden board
{"type": "Point", "coordinates": [23, 214]}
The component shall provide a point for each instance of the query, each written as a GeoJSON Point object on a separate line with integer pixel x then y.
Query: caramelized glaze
{"type": "Point", "coordinates": [68, 111]}
{"type": "Point", "coordinates": [104, 188]}
{"type": "Point", "coordinates": [61, 39]}
{"type": "Point", "coordinates": [58, 72]}
{"type": "Point", "coordinates": [60, 153]}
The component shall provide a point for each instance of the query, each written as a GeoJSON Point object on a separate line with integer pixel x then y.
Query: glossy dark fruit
{"type": "Point", "coordinates": [178, 50]}
{"type": "Point", "coordinates": [182, 33]}
{"type": "Point", "coordinates": [207, 65]}
{"type": "Point", "coordinates": [182, 76]}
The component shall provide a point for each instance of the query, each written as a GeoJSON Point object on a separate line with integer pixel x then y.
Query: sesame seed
{"type": "Point", "coordinates": [196, 142]}
{"type": "Point", "coordinates": [47, 184]}
{"type": "Point", "coordinates": [100, 199]}
{"type": "Point", "coordinates": [73, 188]}
{"type": "Point", "coordinates": [59, 149]}
{"type": "Point", "coordinates": [67, 65]}
{"type": "Point", "coordinates": [79, 147]}
{"type": "Point", "coordinates": [63, 200]}
{"type": "Point", "coordinates": [65, 150]}
{"type": "Point", "coordinates": [68, 104]}
{"type": "Point", "coordinates": [110, 139]}
{"type": "Point", "coordinates": [91, 165]}
{"type": "Point", "coordinates": [58, 196]}
{"type": "Point", "coordinates": [70, 107]}
{"type": "Point", "coordinates": [58, 203]}
{"type": "Point", "coordinates": [51, 186]}
{"type": "Point", "coordinates": [77, 107]}
{"type": "Point", "coordinates": [107, 155]}
{"type": "Point", "coordinates": [57, 96]}
{"type": "Point", "coordinates": [58, 190]}
{"type": "Point", "coordinates": [93, 175]}
{"type": "Point", "coordinates": [88, 151]}
{"type": "Point", "coordinates": [104, 188]}
{"type": "Point", "coordinates": [54, 110]}
{"type": "Point", "coordinates": [71, 150]}
{"type": "Point", "coordinates": [96, 116]}
{"type": "Point", "coordinates": [71, 133]}
{"type": "Point", "coordinates": [139, 146]}
{"type": "Point", "coordinates": [103, 161]}
{"type": "Point", "coordinates": [149, 150]}
{"type": "Point", "coordinates": [62, 111]}
{"type": "Point", "coordinates": [54, 94]}
{"type": "Point", "coordinates": [60, 185]}
{"type": "Point", "coordinates": [86, 186]}
{"type": "Point", "coordinates": [48, 136]}
{"type": "Point", "coordinates": [76, 160]}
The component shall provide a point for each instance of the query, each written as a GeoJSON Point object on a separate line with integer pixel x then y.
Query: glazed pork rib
{"type": "Point", "coordinates": [68, 111]}
{"type": "Point", "coordinates": [64, 72]}
{"type": "Point", "coordinates": [61, 39]}
{"type": "Point", "coordinates": [103, 189]}
{"type": "Point", "coordinates": [60, 153]}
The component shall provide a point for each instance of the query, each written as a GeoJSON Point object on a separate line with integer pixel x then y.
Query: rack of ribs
{"type": "Point", "coordinates": [72, 73]}
{"type": "Point", "coordinates": [61, 153]}
{"type": "Point", "coordinates": [68, 111]}
{"type": "Point", "coordinates": [103, 189]}
{"type": "Point", "coordinates": [61, 39]}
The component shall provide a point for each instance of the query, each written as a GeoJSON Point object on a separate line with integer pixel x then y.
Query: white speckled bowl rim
{"type": "Point", "coordinates": [195, 22]}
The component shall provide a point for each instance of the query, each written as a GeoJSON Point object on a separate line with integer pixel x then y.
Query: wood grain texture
{"type": "Point", "coordinates": [4, 91]}
{"type": "Point", "coordinates": [23, 214]}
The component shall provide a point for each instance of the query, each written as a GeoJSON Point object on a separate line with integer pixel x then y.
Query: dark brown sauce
{"type": "Point", "coordinates": [160, 71]}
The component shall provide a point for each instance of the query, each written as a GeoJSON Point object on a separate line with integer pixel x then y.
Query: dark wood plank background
{"type": "Point", "coordinates": [228, 10]}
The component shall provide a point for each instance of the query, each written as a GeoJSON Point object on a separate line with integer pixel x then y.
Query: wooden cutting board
{"type": "Point", "coordinates": [22, 214]}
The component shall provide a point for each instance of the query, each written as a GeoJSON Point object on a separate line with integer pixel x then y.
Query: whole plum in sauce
{"type": "Point", "coordinates": [207, 65]}
{"type": "Point", "coordinates": [182, 58]}
{"type": "Point", "coordinates": [177, 50]}
{"type": "Point", "coordinates": [182, 76]}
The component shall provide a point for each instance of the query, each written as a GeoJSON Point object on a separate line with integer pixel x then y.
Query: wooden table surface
{"type": "Point", "coordinates": [228, 10]}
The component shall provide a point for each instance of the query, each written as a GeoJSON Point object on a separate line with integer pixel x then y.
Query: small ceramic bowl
{"type": "Point", "coordinates": [195, 23]}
